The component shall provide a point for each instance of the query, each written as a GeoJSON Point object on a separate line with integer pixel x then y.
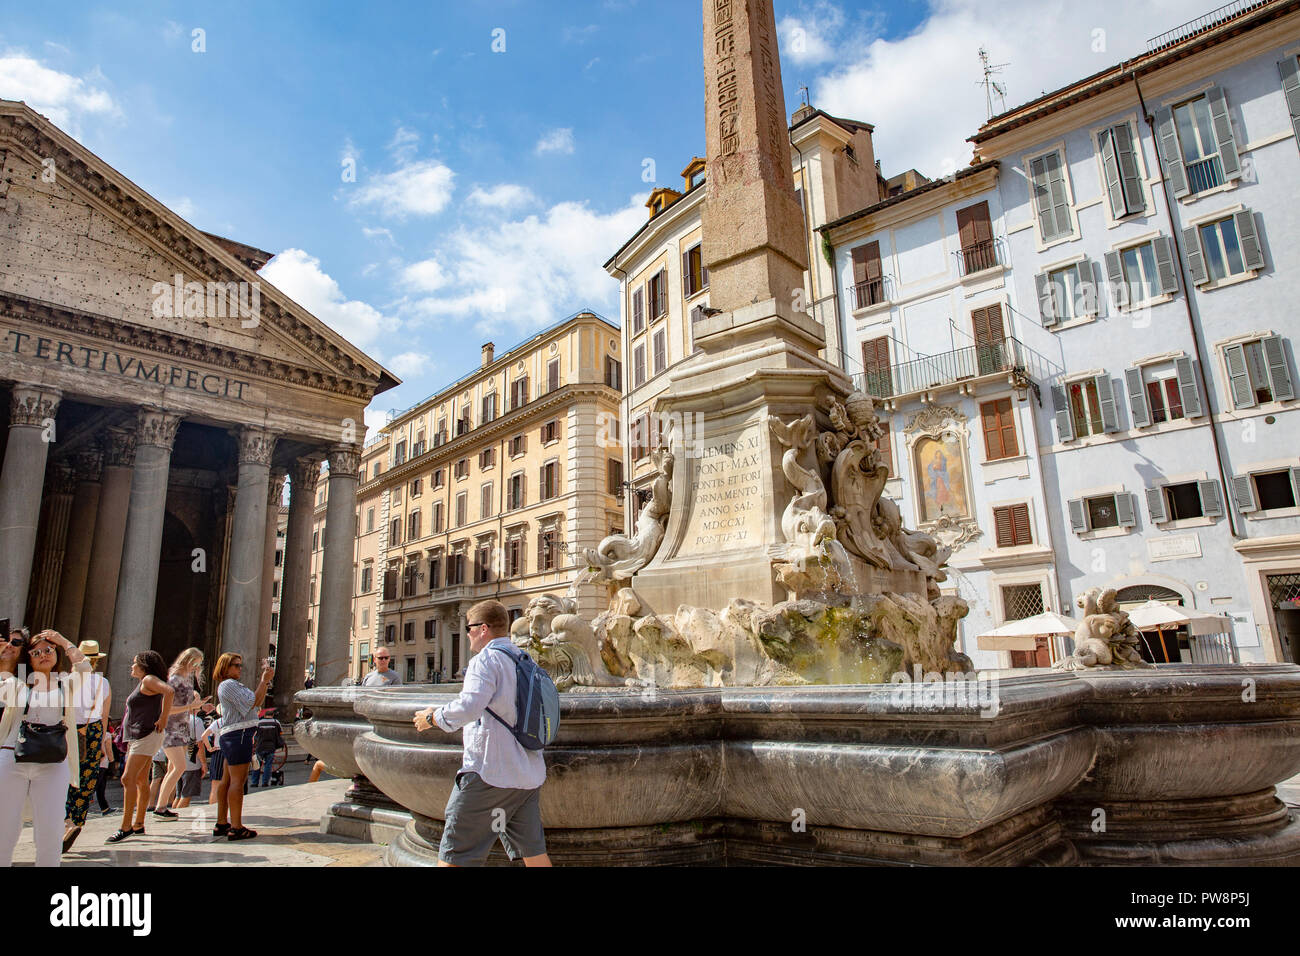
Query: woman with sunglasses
{"type": "Point", "coordinates": [147, 710]}
{"type": "Point", "coordinates": [32, 763]}
{"type": "Point", "coordinates": [239, 707]}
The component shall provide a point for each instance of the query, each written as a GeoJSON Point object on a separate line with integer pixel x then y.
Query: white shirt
{"type": "Point", "coordinates": [46, 707]}
{"type": "Point", "coordinates": [90, 693]}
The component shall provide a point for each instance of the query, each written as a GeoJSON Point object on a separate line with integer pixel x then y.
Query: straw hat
{"type": "Point", "coordinates": [90, 649]}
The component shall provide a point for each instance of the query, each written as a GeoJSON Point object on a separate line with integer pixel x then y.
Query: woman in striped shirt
{"type": "Point", "coordinates": [239, 707]}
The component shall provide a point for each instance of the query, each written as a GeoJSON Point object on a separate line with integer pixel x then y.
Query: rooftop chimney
{"type": "Point", "coordinates": [488, 350]}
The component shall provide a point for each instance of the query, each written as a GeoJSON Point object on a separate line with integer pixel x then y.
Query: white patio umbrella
{"type": "Point", "coordinates": [1019, 635]}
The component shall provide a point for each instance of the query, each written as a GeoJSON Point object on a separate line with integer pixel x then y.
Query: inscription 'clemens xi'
{"type": "Point", "coordinates": [728, 494]}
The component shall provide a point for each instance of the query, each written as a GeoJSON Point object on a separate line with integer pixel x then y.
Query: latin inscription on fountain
{"type": "Point", "coordinates": [727, 477]}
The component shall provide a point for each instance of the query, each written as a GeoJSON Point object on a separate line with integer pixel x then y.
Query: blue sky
{"type": "Point", "coordinates": [491, 186]}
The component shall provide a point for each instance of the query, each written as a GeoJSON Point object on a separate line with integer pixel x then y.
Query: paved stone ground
{"type": "Point", "coordinates": [1289, 791]}
{"type": "Point", "coordinates": [287, 821]}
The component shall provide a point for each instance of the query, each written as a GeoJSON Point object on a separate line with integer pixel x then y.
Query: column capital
{"type": "Point", "coordinates": [89, 465]}
{"type": "Point", "coordinates": [256, 445]}
{"type": "Point", "coordinates": [33, 404]}
{"type": "Point", "coordinates": [156, 427]}
{"type": "Point", "coordinates": [275, 493]}
{"type": "Point", "coordinates": [118, 445]}
{"type": "Point", "coordinates": [63, 479]}
{"type": "Point", "coordinates": [345, 460]}
{"type": "Point", "coordinates": [305, 473]}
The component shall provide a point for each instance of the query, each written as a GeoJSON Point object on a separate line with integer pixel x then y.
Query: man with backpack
{"type": "Point", "coordinates": [496, 793]}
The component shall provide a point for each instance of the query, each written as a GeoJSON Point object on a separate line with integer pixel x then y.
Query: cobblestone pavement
{"type": "Point", "coordinates": [287, 821]}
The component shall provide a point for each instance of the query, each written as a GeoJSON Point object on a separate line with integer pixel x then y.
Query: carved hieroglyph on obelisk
{"type": "Point", "coordinates": [754, 243]}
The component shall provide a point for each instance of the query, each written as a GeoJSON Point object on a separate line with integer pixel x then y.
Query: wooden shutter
{"type": "Point", "coordinates": [1004, 527]}
{"type": "Point", "coordinates": [1290, 71]}
{"type": "Point", "coordinates": [1243, 494]}
{"type": "Point", "coordinates": [1195, 258]}
{"type": "Point", "coordinates": [1110, 170]}
{"type": "Point", "coordinates": [1115, 278]}
{"type": "Point", "coordinates": [1130, 175]}
{"type": "Point", "coordinates": [1252, 253]}
{"type": "Point", "coordinates": [1078, 515]}
{"type": "Point", "coordinates": [552, 376]}
{"type": "Point", "coordinates": [1086, 288]}
{"type": "Point", "coordinates": [1061, 406]}
{"type": "Point", "coordinates": [688, 280]}
{"type": "Point", "coordinates": [885, 446]}
{"type": "Point", "coordinates": [973, 225]}
{"type": "Point", "coordinates": [866, 262]}
{"type": "Point", "coordinates": [1139, 410]}
{"type": "Point", "coordinates": [638, 310]}
{"type": "Point", "coordinates": [1047, 306]}
{"type": "Point", "coordinates": [662, 293]}
{"type": "Point", "coordinates": [1187, 387]}
{"type": "Point", "coordinates": [1166, 277]}
{"type": "Point", "coordinates": [1211, 498]}
{"type": "Point", "coordinates": [1056, 190]}
{"type": "Point", "coordinates": [1278, 374]}
{"type": "Point", "coordinates": [1020, 524]}
{"type": "Point", "coordinates": [999, 429]}
{"type": "Point", "coordinates": [1170, 154]}
{"type": "Point", "coordinates": [1106, 399]}
{"type": "Point", "coordinates": [988, 325]}
{"type": "Point", "coordinates": [1124, 510]}
{"type": "Point", "coordinates": [1223, 134]}
{"type": "Point", "coordinates": [1243, 396]}
{"type": "Point", "coordinates": [1156, 504]}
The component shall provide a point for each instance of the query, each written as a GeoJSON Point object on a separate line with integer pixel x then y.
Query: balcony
{"type": "Point", "coordinates": [979, 256]}
{"type": "Point", "coordinates": [1205, 174]}
{"type": "Point", "coordinates": [931, 372]}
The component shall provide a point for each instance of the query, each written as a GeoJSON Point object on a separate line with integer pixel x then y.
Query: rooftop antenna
{"type": "Point", "coordinates": [991, 86]}
{"type": "Point", "coordinates": [803, 95]}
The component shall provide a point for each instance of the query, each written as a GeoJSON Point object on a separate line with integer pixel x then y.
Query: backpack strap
{"type": "Point", "coordinates": [510, 655]}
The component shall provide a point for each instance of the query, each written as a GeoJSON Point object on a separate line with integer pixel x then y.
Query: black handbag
{"type": "Point", "coordinates": [41, 743]}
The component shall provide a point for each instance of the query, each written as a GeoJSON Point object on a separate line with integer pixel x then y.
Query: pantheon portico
{"type": "Point", "coordinates": [159, 394]}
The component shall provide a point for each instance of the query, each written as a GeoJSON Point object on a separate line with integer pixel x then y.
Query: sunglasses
{"type": "Point", "coordinates": [479, 624]}
{"type": "Point", "coordinates": [43, 649]}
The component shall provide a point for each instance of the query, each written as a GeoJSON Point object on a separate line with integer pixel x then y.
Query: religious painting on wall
{"type": "Point", "coordinates": [941, 478]}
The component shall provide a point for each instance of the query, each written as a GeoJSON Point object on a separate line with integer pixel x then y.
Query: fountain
{"type": "Point", "coordinates": [775, 679]}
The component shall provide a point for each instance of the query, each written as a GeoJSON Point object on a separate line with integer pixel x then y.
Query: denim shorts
{"type": "Point", "coordinates": [237, 746]}
{"type": "Point", "coordinates": [478, 813]}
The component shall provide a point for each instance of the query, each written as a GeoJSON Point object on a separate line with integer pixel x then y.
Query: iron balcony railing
{"type": "Point", "coordinates": [946, 368]}
{"type": "Point", "coordinates": [1203, 22]}
{"type": "Point", "coordinates": [1205, 174]}
{"type": "Point", "coordinates": [871, 292]}
{"type": "Point", "coordinates": [979, 256]}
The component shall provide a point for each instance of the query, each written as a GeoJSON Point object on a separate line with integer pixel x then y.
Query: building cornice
{"type": "Point", "coordinates": [652, 232]}
{"type": "Point", "coordinates": [1260, 549]}
{"type": "Point", "coordinates": [917, 202]}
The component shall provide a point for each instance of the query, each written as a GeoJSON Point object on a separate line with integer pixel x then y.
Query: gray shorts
{"type": "Point", "coordinates": [479, 813]}
{"type": "Point", "coordinates": [191, 783]}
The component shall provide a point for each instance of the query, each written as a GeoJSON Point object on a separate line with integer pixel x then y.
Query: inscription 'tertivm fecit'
{"type": "Point", "coordinates": [728, 509]}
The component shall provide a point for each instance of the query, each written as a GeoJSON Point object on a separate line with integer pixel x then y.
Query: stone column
{"type": "Point", "coordinates": [137, 585]}
{"type": "Point", "coordinates": [334, 633]}
{"type": "Point", "coordinates": [243, 612]}
{"type": "Point", "coordinates": [100, 600]}
{"type": "Point", "coordinates": [291, 653]}
{"type": "Point", "coordinates": [31, 425]}
{"type": "Point", "coordinates": [274, 495]}
{"type": "Point", "coordinates": [53, 542]}
{"type": "Point", "coordinates": [88, 467]}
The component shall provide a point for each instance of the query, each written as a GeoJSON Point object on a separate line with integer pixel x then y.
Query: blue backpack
{"type": "Point", "coordinates": [537, 702]}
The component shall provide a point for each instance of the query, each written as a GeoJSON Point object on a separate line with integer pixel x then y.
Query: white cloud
{"type": "Point", "coordinates": [377, 232]}
{"type": "Point", "coordinates": [425, 276]}
{"type": "Point", "coordinates": [921, 91]}
{"type": "Point", "coordinates": [299, 276]}
{"type": "Point", "coordinates": [403, 145]}
{"type": "Point", "coordinates": [64, 98]}
{"type": "Point", "coordinates": [556, 141]}
{"type": "Point", "coordinates": [503, 196]}
{"type": "Point", "coordinates": [580, 34]}
{"type": "Point", "coordinates": [810, 37]}
{"type": "Point", "coordinates": [182, 206]}
{"type": "Point", "coordinates": [376, 418]}
{"type": "Point", "coordinates": [420, 189]}
{"type": "Point", "coordinates": [408, 364]}
{"type": "Point", "coordinates": [519, 275]}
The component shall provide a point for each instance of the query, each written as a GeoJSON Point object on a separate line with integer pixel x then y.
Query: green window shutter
{"type": "Point", "coordinates": [1156, 504]}
{"type": "Point", "coordinates": [1170, 154]}
{"type": "Point", "coordinates": [1129, 171]}
{"type": "Point", "coordinates": [1195, 258]}
{"type": "Point", "coordinates": [1279, 375]}
{"type": "Point", "coordinates": [1222, 124]}
{"type": "Point", "coordinates": [1187, 387]}
{"type": "Point", "coordinates": [1086, 288]}
{"type": "Point", "coordinates": [1115, 278]}
{"type": "Point", "coordinates": [1166, 276]}
{"type": "Point", "coordinates": [1061, 403]}
{"type": "Point", "coordinates": [1211, 498]}
{"type": "Point", "coordinates": [1110, 168]}
{"type": "Point", "coordinates": [1106, 399]}
{"type": "Point", "coordinates": [1124, 510]}
{"type": "Point", "coordinates": [1060, 201]}
{"type": "Point", "coordinates": [1078, 515]}
{"type": "Point", "coordinates": [1243, 396]}
{"type": "Point", "coordinates": [1137, 397]}
{"type": "Point", "coordinates": [1243, 495]}
{"type": "Point", "coordinates": [1046, 300]}
{"type": "Point", "coordinates": [1252, 253]}
{"type": "Point", "coordinates": [1295, 485]}
{"type": "Point", "coordinates": [1290, 70]}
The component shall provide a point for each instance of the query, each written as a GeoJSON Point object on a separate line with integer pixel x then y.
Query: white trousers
{"type": "Point", "coordinates": [47, 786]}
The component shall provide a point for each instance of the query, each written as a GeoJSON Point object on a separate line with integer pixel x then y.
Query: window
{"type": "Point", "coordinates": [514, 557]}
{"type": "Point", "coordinates": [614, 476]}
{"type": "Point", "coordinates": [463, 424]}
{"type": "Point", "coordinates": [638, 366]}
{"type": "Point", "coordinates": [553, 375]}
{"type": "Point", "coordinates": [657, 295]}
{"type": "Point", "coordinates": [489, 407]}
{"type": "Point", "coordinates": [1101, 512]}
{"type": "Point", "coordinates": [1162, 393]}
{"type": "Point", "coordinates": [1142, 272]}
{"type": "Point", "coordinates": [397, 495]}
{"type": "Point", "coordinates": [462, 468]}
{"type": "Point", "coordinates": [483, 563]}
{"type": "Point", "coordinates": [485, 501]}
{"type": "Point", "coordinates": [370, 521]}
{"type": "Point", "coordinates": [518, 445]}
{"type": "Point", "coordinates": [440, 437]}
{"type": "Point", "coordinates": [660, 350]}
{"type": "Point", "coordinates": [437, 518]}
{"type": "Point", "coordinates": [408, 637]}
{"type": "Point", "coordinates": [418, 448]}
{"type": "Point", "coordinates": [365, 617]}
{"type": "Point", "coordinates": [638, 311]}
{"type": "Point", "coordinates": [639, 437]}
{"type": "Point", "coordinates": [515, 498]}
{"type": "Point", "coordinates": [875, 363]}
{"type": "Point", "coordinates": [395, 531]}
{"type": "Point", "coordinates": [413, 526]}
{"type": "Point", "coordinates": [999, 429]}
{"type": "Point", "coordinates": [462, 509]}
{"type": "Point", "coordinates": [1123, 177]}
{"type": "Point", "coordinates": [1085, 407]}
{"type": "Point", "coordinates": [519, 392]}
{"type": "Point", "coordinates": [374, 471]}
{"type": "Point", "coordinates": [315, 540]}
{"type": "Point", "coordinates": [1189, 499]}
{"type": "Point", "coordinates": [1066, 294]}
{"type": "Point", "coordinates": [417, 487]}
{"type": "Point", "coordinates": [1266, 490]}
{"type": "Point", "coordinates": [275, 589]}
{"type": "Point", "coordinates": [868, 283]}
{"type": "Point", "coordinates": [1197, 144]}
{"type": "Point", "coordinates": [410, 572]}
{"type": "Point", "coordinates": [695, 278]}
{"type": "Point", "coordinates": [390, 633]}
{"type": "Point", "coordinates": [437, 479]}
{"type": "Point", "coordinates": [613, 373]}
{"type": "Point", "coordinates": [546, 550]}
{"type": "Point", "coordinates": [435, 568]}
{"type": "Point", "coordinates": [550, 480]}
{"type": "Point", "coordinates": [390, 584]}
{"type": "Point", "coordinates": [1020, 601]}
{"type": "Point", "coordinates": [1051, 199]}
{"type": "Point", "coordinates": [367, 578]}
{"type": "Point", "coordinates": [886, 451]}
{"type": "Point", "coordinates": [1228, 247]}
{"type": "Point", "coordinates": [550, 431]}
{"type": "Point", "coordinates": [991, 352]}
{"type": "Point", "coordinates": [1258, 372]}
{"type": "Point", "coordinates": [978, 251]}
{"type": "Point", "coordinates": [456, 569]}
{"type": "Point", "coordinates": [399, 453]}
{"type": "Point", "coordinates": [1012, 524]}
{"type": "Point", "coordinates": [410, 670]}
{"type": "Point", "coordinates": [487, 458]}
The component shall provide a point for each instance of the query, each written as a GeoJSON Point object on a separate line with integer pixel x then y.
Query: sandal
{"type": "Point", "coordinates": [70, 838]}
{"type": "Point", "coordinates": [242, 833]}
{"type": "Point", "coordinates": [221, 829]}
{"type": "Point", "coordinates": [139, 831]}
{"type": "Point", "coordinates": [119, 836]}
{"type": "Point", "coordinates": [167, 813]}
